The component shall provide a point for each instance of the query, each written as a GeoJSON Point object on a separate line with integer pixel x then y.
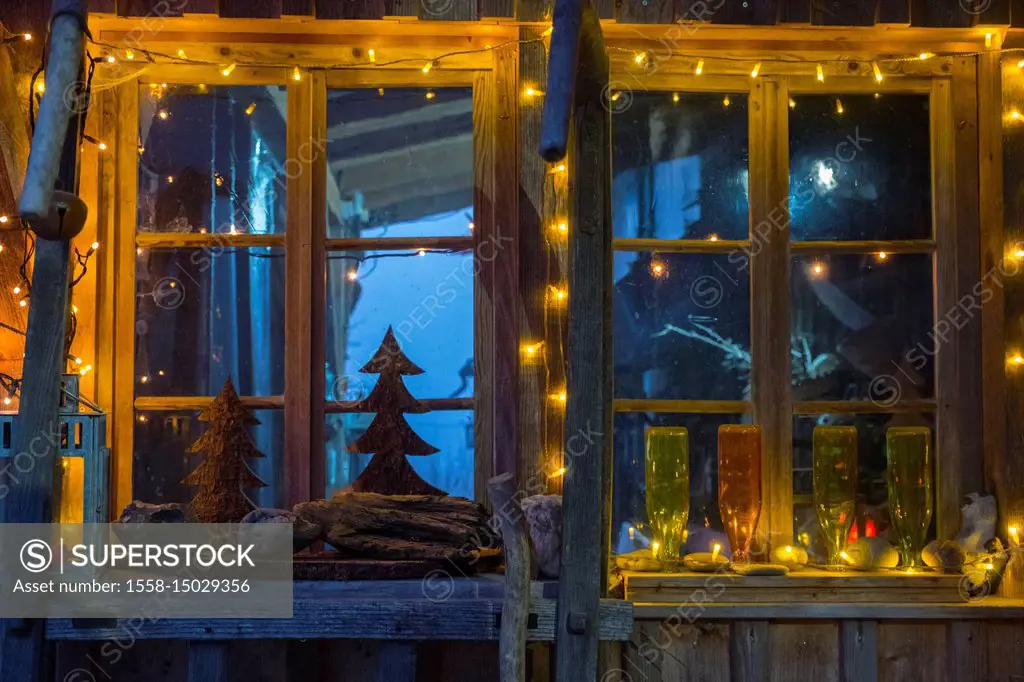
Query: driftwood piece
{"type": "Point", "coordinates": [400, 527]}
{"type": "Point", "coordinates": [515, 608]}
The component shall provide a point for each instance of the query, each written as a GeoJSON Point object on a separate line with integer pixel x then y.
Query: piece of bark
{"type": "Point", "coordinates": [395, 548]}
{"type": "Point", "coordinates": [355, 513]}
{"type": "Point", "coordinates": [144, 512]}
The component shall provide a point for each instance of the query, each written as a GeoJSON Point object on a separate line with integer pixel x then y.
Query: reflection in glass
{"type": "Point", "coordinates": [680, 167]}
{"type": "Point", "coordinates": [862, 327]}
{"type": "Point", "coordinates": [206, 314]}
{"type": "Point", "coordinates": [910, 489]}
{"type": "Point", "coordinates": [860, 167]}
{"type": "Point", "coordinates": [161, 458]}
{"type": "Point", "coordinates": [668, 488]}
{"type": "Point", "coordinates": [212, 158]}
{"type": "Point", "coordinates": [835, 485]}
{"type": "Point", "coordinates": [397, 159]}
{"type": "Point", "coordinates": [681, 326]}
{"type": "Point", "coordinates": [739, 485]}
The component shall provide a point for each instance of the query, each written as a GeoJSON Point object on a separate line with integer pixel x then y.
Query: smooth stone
{"type": "Point", "coordinates": [544, 522]}
{"type": "Point", "coordinates": [944, 555]}
{"type": "Point", "coordinates": [705, 562]}
{"type": "Point", "coordinates": [304, 532]}
{"type": "Point", "coordinates": [144, 512]}
{"type": "Point", "coordinates": [639, 560]}
{"type": "Point", "coordinates": [793, 557]}
{"type": "Point", "coordinates": [760, 569]}
{"type": "Point", "coordinates": [872, 554]}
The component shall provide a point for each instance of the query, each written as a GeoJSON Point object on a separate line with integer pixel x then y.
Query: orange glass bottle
{"type": "Point", "coordinates": [739, 484]}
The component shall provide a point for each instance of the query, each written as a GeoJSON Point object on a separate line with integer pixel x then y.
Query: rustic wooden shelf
{"type": "Point", "coordinates": [442, 608]}
{"type": "Point", "coordinates": [800, 587]}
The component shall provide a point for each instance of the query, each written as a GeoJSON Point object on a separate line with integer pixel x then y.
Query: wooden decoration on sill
{"type": "Point", "coordinates": [223, 474]}
{"type": "Point", "coordinates": [389, 437]}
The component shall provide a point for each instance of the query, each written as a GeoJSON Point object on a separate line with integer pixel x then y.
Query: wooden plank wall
{"type": "Point", "coordinates": [936, 13]}
{"type": "Point", "coordinates": [844, 651]}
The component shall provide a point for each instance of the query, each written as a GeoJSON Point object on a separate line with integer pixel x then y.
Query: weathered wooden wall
{"type": "Point", "coordinates": [824, 651]}
{"type": "Point", "coordinates": [938, 13]}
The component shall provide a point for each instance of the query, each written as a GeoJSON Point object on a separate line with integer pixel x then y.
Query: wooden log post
{"type": "Point", "coordinates": [580, 89]}
{"type": "Point", "coordinates": [515, 606]}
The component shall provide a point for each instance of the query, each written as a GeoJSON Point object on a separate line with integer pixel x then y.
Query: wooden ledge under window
{"type": "Point", "coordinates": [809, 594]}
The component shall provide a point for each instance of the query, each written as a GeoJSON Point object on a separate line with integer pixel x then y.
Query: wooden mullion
{"type": "Point", "coordinates": [720, 246]}
{"type": "Point", "coordinates": [969, 457]}
{"type": "Point", "coordinates": [948, 424]}
{"type": "Point", "coordinates": [400, 243]}
{"type": "Point", "coordinates": [770, 352]}
{"type": "Point", "coordinates": [176, 403]}
{"type": "Point", "coordinates": [173, 240]}
{"type": "Point", "coordinates": [296, 473]}
{"type": "Point", "coordinates": [858, 247]}
{"type": "Point", "coordinates": [122, 412]}
{"type": "Point", "coordinates": [107, 233]}
{"type": "Point", "coordinates": [318, 285]}
{"type": "Point", "coordinates": [432, 405]}
{"type": "Point", "coordinates": [484, 141]}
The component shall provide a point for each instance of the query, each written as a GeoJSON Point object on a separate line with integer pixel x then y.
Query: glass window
{"type": "Point", "coordinates": [681, 326]}
{"type": "Point", "coordinates": [399, 161]}
{"type": "Point", "coordinates": [203, 315]}
{"type": "Point", "coordinates": [862, 327]}
{"type": "Point", "coordinates": [680, 166]}
{"type": "Point", "coordinates": [230, 176]}
{"type": "Point", "coordinates": [860, 167]}
{"type": "Point", "coordinates": [162, 460]}
{"type": "Point", "coordinates": [630, 523]}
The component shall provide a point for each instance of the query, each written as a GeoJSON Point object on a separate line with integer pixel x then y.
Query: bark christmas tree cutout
{"type": "Point", "coordinates": [389, 437]}
{"type": "Point", "coordinates": [223, 474]}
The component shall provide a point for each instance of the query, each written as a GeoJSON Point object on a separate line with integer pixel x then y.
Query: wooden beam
{"type": "Point", "coordinates": [505, 216]}
{"type": "Point", "coordinates": [588, 424]}
{"type": "Point", "coordinates": [296, 471]}
{"type": "Point", "coordinates": [317, 167]}
{"type": "Point", "coordinates": [770, 357]}
{"type": "Point", "coordinates": [485, 108]}
{"type": "Point", "coordinates": [748, 651]}
{"type": "Point", "coordinates": [858, 650]}
{"type": "Point", "coordinates": [946, 292]}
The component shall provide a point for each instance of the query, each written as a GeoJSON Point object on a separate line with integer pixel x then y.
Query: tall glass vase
{"type": "Point", "coordinates": [739, 484]}
{"type": "Point", "coordinates": [909, 476]}
{"type": "Point", "coordinates": [667, 456]}
{"type": "Point", "coordinates": [835, 485]}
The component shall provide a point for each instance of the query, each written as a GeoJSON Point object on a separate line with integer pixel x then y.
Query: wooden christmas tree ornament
{"type": "Point", "coordinates": [223, 475]}
{"type": "Point", "coordinates": [389, 437]}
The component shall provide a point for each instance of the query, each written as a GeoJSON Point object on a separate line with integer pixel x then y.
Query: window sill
{"type": "Point", "coordinates": [808, 594]}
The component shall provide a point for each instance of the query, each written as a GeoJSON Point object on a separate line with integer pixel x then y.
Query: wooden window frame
{"type": "Point", "coordinates": [951, 84]}
{"type": "Point", "coordinates": [304, 240]}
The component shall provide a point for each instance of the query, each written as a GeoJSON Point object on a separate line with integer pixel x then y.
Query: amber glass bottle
{"type": "Point", "coordinates": [739, 484]}
{"type": "Point", "coordinates": [835, 485]}
{"type": "Point", "coordinates": [668, 488]}
{"type": "Point", "coordinates": [909, 475]}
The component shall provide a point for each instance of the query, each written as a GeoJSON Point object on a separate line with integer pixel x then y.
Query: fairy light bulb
{"type": "Point", "coordinates": [531, 91]}
{"type": "Point", "coordinates": [111, 59]}
{"type": "Point", "coordinates": [675, 98]}
{"type": "Point", "coordinates": [16, 290]}
{"type": "Point", "coordinates": [227, 70]}
{"type": "Point", "coordinates": [712, 237]}
{"type": "Point", "coordinates": [878, 72]}
{"type": "Point", "coordinates": [1016, 115]}
{"type": "Point", "coordinates": [1017, 359]}
{"type": "Point", "coordinates": [925, 56]}
{"type": "Point", "coordinates": [699, 70]}
{"type": "Point", "coordinates": [102, 146]}
{"type": "Point", "coordinates": [658, 269]}
{"type": "Point", "coordinates": [372, 54]}
{"type": "Point", "coordinates": [163, 114]}
{"type": "Point", "coordinates": [249, 109]}
{"type": "Point", "coordinates": [129, 55]}
{"type": "Point", "coordinates": [726, 101]}
{"type": "Point", "coordinates": [430, 94]}
{"type": "Point", "coordinates": [839, 106]}
{"type": "Point", "coordinates": [562, 227]}
{"type": "Point", "coordinates": [427, 67]}
{"type": "Point", "coordinates": [26, 36]}
{"type": "Point", "coordinates": [41, 84]}
{"type": "Point", "coordinates": [988, 40]}
{"type": "Point", "coordinates": [882, 255]}
{"type": "Point", "coordinates": [181, 54]}
{"type": "Point", "coordinates": [296, 74]}
{"type": "Point", "coordinates": [756, 71]}
{"type": "Point", "coordinates": [640, 58]}
{"type": "Point", "coordinates": [3, 219]}
{"type": "Point", "coordinates": [821, 73]}
{"type": "Point", "coordinates": [353, 275]}
{"type": "Point", "coordinates": [22, 303]}
{"type": "Point", "coordinates": [94, 246]}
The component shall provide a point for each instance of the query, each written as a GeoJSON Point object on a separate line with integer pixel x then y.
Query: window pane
{"type": "Point", "coordinates": [161, 458]}
{"type": "Point", "coordinates": [628, 490]}
{"type": "Point", "coordinates": [681, 326]}
{"type": "Point", "coordinates": [224, 142]}
{"type": "Point", "coordinates": [427, 300]}
{"type": "Point", "coordinates": [400, 162]}
{"type": "Point", "coordinates": [871, 514]}
{"type": "Point", "coordinates": [860, 167]}
{"type": "Point", "coordinates": [680, 166]}
{"type": "Point", "coordinates": [205, 314]}
{"type": "Point", "coordinates": [451, 432]}
{"type": "Point", "coordinates": [862, 328]}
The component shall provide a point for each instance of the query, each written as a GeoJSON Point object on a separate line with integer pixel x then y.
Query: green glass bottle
{"type": "Point", "coordinates": [835, 485]}
{"type": "Point", "coordinates": [909, 475]}
{"type": "Point", "coordinates": [668, 488]}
